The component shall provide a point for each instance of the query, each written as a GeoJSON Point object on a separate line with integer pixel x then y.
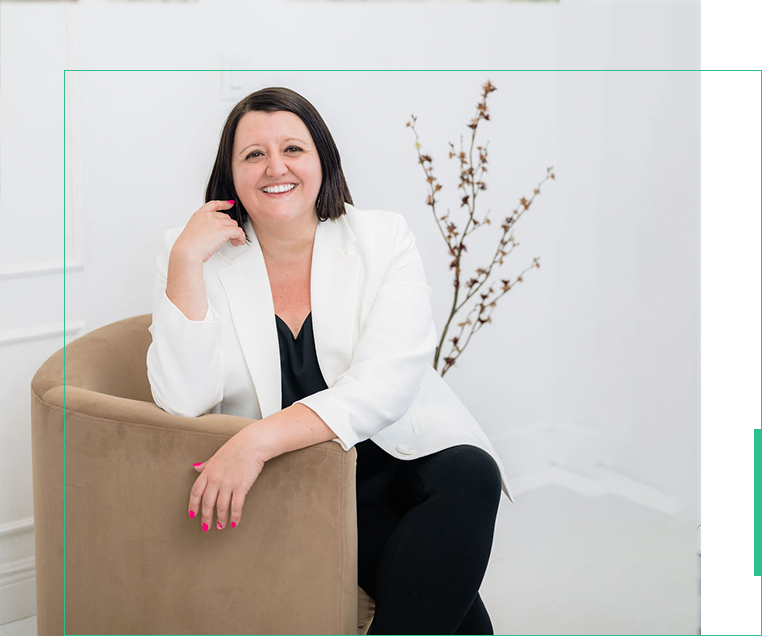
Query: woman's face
{"type": "Point", "coordinates": [271, 150]}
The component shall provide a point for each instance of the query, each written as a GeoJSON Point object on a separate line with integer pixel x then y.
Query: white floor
{"type": "Point", "coordinates": [563, 563]}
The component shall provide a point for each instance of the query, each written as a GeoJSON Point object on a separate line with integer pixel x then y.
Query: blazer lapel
{"type": "Point", "coordinates": [250, 298]}
{"type": "Point", "coordinates": [333, 289]}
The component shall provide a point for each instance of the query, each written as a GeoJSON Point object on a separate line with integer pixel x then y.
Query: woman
{"type": "Point", "coordinates": [281, 302]}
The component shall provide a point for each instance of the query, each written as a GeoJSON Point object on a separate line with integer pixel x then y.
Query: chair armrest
{"type": "Point", "coordinates": [136, 564]}
{"type": "Point", "coordinates": [118, 409]}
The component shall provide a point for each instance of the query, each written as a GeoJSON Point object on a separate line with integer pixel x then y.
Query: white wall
{"type": "Point", "coordinates": [615, 134]}
{"type": "Point", "coordinates": [592, 361]}
{"type": "Point", "coordinates": [32, 54]}
{"type": "Point", "coordinates": [126, 181]}
{"type": "Point", "coordinates": [630, 336]}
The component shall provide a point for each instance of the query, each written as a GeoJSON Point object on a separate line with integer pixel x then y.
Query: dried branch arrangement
{"type": "Point", "coordinates": [470, 185]}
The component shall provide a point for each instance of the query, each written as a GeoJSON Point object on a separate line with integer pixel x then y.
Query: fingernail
{"type": "Point", "coordinates": [192, 514]}
{"type": "Point", "coordinates": [231, 201]}
{"type": "Point", "coordinates": [204, 527]}
{"type": "Point", "coordinates": [219, 526]}
{"type": "Point", "coordinates": [232, 524]}
{"type": "Point", "coordinates": [199, 464]}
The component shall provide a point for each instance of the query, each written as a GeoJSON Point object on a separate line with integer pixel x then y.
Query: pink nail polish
{"type": "Point", "coordinates": [219, 526]}
{"type": "Point", "coordinates": [199, 464]}
{"type": "Point", "coordinates": [231, 201]}
{"type": "Point", "coordinates": [191, 514]}
{"type": "Point", "coordinates": [204, 527]}
{"type": "Point", "coordinates": [232, 524]}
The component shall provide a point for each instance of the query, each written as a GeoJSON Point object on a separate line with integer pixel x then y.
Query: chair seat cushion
{"type": "Point", "coordinates": [366, 607]}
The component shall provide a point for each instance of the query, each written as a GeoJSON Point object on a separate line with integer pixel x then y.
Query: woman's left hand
{"type": "Point", "coordinates": [226, 478]}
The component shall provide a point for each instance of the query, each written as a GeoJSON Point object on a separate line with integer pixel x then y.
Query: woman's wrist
{"type": "Point", "coordinates": [185, 284]}
{"type": "Point", "coordinates": [292, 428]}
{"type": "Point", "coordinates": [263, 439]}
{"type": "Point", "coordinates": [184, 257]}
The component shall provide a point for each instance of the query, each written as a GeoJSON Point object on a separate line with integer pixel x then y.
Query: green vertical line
{"type": "Point", "coordinates": [757, 560]}
{"type": "Point", "coordinates": [64, 348]}
{"type": "Point", "coordinates": [757, 443]}
{"type": "Point", "coordinates": [757, 480]}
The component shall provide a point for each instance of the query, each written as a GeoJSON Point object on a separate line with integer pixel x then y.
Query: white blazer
{"type": "Point", "coordinates": [374, 336]}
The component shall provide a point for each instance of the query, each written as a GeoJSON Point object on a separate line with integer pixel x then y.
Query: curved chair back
{"type": "Point", "coordinates": [134, 561]}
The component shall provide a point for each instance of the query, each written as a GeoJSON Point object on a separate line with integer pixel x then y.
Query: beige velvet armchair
{"type": "Point", "coordinates": [134, 562]}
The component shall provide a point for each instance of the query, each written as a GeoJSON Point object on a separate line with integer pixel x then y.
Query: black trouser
{"type": "Point", "coordinates": [425, 530]}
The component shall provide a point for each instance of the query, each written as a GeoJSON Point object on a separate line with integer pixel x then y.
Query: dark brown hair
{"type": "Point", "coordinates": [334, 191]}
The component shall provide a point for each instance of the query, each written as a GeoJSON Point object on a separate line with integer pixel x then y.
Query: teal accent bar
{"type": "Point", "coordinates": [757, 502]}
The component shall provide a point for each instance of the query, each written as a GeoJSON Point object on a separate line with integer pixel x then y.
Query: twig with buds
{"type": "Point", "coordinates": [471, 183]}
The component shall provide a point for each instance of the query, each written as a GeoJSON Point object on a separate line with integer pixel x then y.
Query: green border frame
{"type": "Point", "coordinates": [757, 432]}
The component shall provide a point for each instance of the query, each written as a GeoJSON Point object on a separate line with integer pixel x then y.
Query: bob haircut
{"type": "Point", "coordinates": [334, 191]}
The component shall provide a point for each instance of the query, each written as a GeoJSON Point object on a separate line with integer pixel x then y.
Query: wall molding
{"type": "Point", "coordinates": [58, 330]}
{"type": "Point", "coordinates": [41, 268]}
{"type": "Point", "coordinates": [17, 575]}
{"type": "Point", "coordinates": [8, 529]}
{"type": "Point", "coordinates": [17, 572]}
{"type": "Point", "coordinates": [19, 598]}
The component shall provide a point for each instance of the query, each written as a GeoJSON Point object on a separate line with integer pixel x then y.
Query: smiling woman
{"type": "Point", "coordinates": [281, 302]}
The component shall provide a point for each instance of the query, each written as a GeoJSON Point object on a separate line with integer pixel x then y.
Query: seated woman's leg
{"type": "Point", "coordinates": [375, 524]}
{"type": "Point", "coordinates": [430, 569]}
{"type": "Point", "coordinates": [376, 517]}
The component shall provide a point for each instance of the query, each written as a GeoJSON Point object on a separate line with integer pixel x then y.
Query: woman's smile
{"type": "Point", "coordinates": [279, 190]}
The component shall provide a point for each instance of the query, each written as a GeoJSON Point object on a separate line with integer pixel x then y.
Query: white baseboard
{"type": "Point", "coordinates": [18, 594]}
{"type": "Point", "coordinates": [570, 457]}
{"type": "Point", "coordinates": [608, 482]}
{"type": "Point", "coordinates": [525, 449]}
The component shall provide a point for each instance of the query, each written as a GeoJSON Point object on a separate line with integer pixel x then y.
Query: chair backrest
{"type": "Point", "coordinates": [110, 360]}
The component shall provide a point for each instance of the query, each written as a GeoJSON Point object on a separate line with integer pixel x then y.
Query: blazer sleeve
{"type": "Point", "coordinates": [184, 360]}
{"type": "Point", "coordinates": [397, 341]}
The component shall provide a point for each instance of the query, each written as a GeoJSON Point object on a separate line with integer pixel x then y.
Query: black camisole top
{"type": "Point", "coordinates": [300, 372]}
{"type": "Point", "coordinates": [301, 376]}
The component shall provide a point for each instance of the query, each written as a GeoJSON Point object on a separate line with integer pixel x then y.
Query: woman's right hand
{"type": "Point", "coordinates": [207, 231]}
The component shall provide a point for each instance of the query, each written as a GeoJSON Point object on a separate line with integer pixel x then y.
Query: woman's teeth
{"type": "Point", "coordinates": [281, 188]}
